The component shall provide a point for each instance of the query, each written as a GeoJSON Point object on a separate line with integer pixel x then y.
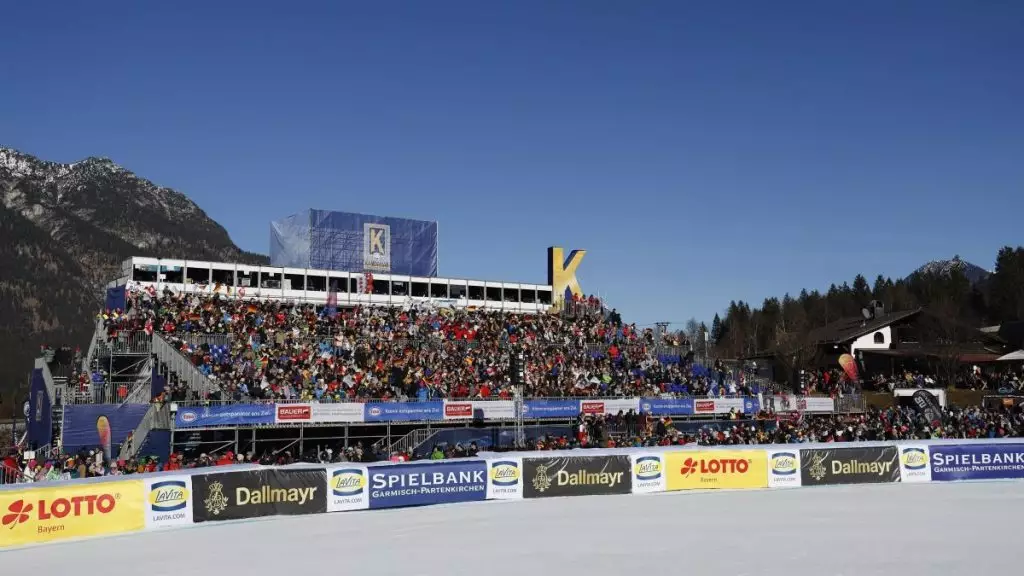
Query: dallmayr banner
{"type": "Point", "coordinates": [256, 493]}
{"type": "Point", "coordinates": [872, 465]}
{"type": "Point", "coordinates": [576, 476]}
{"type": "Point", "coordinates": [421, 484]}
{"type": "Point", "coordinates": [977, 462]}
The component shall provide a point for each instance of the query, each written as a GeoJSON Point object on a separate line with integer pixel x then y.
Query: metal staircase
{"type": "Point", "coordinates": [406, 443]}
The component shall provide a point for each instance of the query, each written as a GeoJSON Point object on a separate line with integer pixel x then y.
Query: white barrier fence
{"type": "Point", "coordinates": [86, 508]}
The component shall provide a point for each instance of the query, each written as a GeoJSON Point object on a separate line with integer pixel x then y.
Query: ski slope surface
{"type": "Point", "coordinates": [909, 530]}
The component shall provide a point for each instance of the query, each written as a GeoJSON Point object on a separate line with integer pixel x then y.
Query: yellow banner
{"type": "Point", "coordinates": [39, 515]}
{"type": "Point", "coordinates": [697, 470]}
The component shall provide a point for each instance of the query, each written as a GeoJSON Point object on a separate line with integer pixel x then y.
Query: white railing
{"type": "Point", "coordinates": [98, 334]}
{"type": "Point", "coordinates": [131, 445]}
{"type": "Point", "coordinates": [177, 363]}
{"type": "Point", "coordinates": [406, 443]}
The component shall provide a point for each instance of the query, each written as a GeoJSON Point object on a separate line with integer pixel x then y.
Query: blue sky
{"type": "Point", "coordinates": [701, 151]}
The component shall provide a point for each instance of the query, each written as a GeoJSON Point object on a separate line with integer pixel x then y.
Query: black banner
{"type": "Point", "coordinates": [576, 476]}
{"type": "Point", "coordinates": [928, 405]}
{"type": "Point", "coordinates": [849, 466]}
{"type": "Point", "coordinates": [256, 493]}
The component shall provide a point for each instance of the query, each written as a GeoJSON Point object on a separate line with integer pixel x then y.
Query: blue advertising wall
{"type": "Point", "coordinates": [225, 415]}
{"type": "Point", "coordinates": [977, 462]}
{"type": "Point", "coordinates": [80, 424]}
{"type": "Point", "coordinates": [421, 484]}
{"type": "Point", "coordinates": [348, 242]}
{"type": "Point", "coordinates": [404, 411]}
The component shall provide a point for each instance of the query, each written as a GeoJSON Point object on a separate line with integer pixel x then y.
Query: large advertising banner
{"type": "Point", "coordinates": [340, 412]}
{"type": "Point", "coordinates": [403, 411]}
{"type": "Point", "coordinates": [347, 488]}
{"type": "Point", "coordinates": [831, 466]}
{"type": "Point", "coordinates": [915, 465]}
{"type": "Point", "coordinates": [667, 406]}
{"type": "Point", "coordinates": [420, 484]}
{"type": "Point", "coordinates": [316, 413]}
{"type": "Point", "coordinates": [609, 406]}
{"type": "Point", "coordinates": [576, 476]}
{"type": "Point", "coordinates": [648, 472]}
{"type": "Point", "coordinates": [479, 409]}
{"type": "Point", "coordinates": [729, 469]}
{"type": "Point", "coordinates": [257, 493]}
{"type": "Point", "coordinates": [977, 462]}
{"type": "Point", "coordinates": [329, 240]}
{"type": "Point", "coordinates": [505, 479]}
{"type": "Point", "coordinates": [553, 408]}
{"type": "Point", "coordinates": [70, 511]}
{"type": "Point", "coordinates": [168, 501]}
{"type": "Point", "coordinates": [82, 427]}
{"type": "Point", "coordinates": [783, 468]}
{"type": "Point", "coordinates": [224, 415]}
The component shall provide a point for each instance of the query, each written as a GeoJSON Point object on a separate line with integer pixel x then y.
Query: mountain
{"type": "Point", "coordinates": [64, 231]}
{"type": "Point", "coordinates": [974, 273]}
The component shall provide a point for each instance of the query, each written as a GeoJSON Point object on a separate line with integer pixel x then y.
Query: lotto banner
{"type": "Point", "coordinates": [731, 469]}
{"type": "Point", "coordinates": [71, 511]}
{"type": "Point", "coordinates": [505, 479]}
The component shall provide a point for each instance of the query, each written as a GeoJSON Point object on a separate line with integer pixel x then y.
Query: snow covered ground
{"type": "Point", "coordinates": [909, 530]}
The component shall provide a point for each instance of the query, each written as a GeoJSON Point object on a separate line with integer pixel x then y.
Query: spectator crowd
{"type": "Point", "coordinates": [270, 350]}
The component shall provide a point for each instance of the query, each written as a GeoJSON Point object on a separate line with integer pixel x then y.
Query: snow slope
{"type": "Point", "coordinates": [910, 530]}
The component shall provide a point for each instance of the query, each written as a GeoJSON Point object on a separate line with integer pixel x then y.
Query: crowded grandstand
{"type": "Point", "coordinates": [197, 364]}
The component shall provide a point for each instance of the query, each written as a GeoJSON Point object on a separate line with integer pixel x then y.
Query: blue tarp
{"type": "Point", "coordinates": [80, 424]}
{"type": "Point", "coordinates": [347, 242]}
{"type": "Point", "coordinates": [40, 415]}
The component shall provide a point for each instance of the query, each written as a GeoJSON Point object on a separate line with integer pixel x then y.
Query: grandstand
{"type": "Point", "coordinates": [207, 357]}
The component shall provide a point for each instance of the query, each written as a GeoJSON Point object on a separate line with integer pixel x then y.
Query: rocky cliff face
{"type": "Point", "coordinates": [64, 231]}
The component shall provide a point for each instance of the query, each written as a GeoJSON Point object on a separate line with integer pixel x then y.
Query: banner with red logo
{"type": "Point", "coordinates": [610, 406]}
{"type": "Point", "coordinates": [293, 413]}
{"type": "Point", "coordinates": [340, 412]}
{"type": "Point", "coordinates": [717, 405]}
{"type": "Point", "coordinates": [485, 409]}
{"type": "Point", "coordinates": [71, 511]}
{"type": "Point", "coordinates": [700, 469]}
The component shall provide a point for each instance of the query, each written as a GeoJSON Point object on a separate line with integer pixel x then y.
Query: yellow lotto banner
{"type": "Point", "coordinates": [696, 470]}
{"type": "Point", "coordinates": [75, 510]}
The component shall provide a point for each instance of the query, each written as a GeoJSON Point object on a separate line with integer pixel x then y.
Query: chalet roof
{"type": "Point", "coordinates": [849, 329]}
